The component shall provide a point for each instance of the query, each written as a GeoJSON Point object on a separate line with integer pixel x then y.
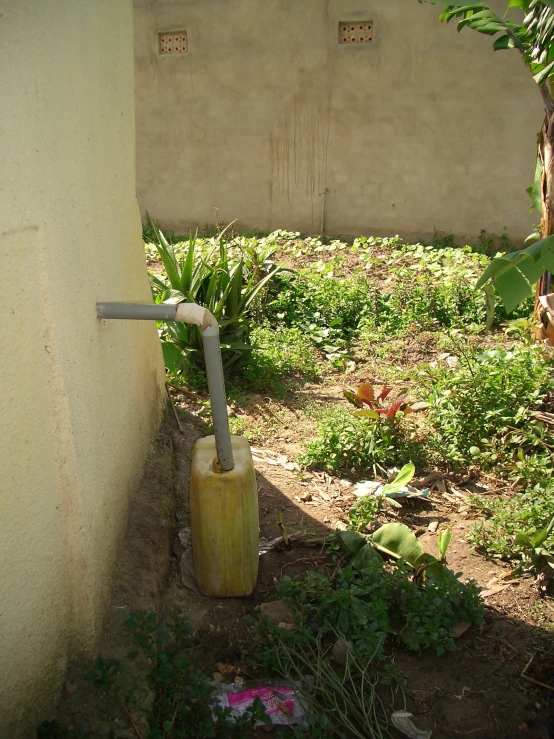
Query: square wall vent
{"type": "Point", "coordinates": [173, 43]}
{"type": "Point", "coordinates": [356, 32]}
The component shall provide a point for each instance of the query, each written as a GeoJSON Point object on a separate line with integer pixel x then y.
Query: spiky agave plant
{"type": "Point", "coordinates": [217, 281]}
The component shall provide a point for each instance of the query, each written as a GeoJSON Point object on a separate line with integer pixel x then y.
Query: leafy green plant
{"type": "Point", "coordinates": [524, 513]}
{"type": "Point", "coordinates": [522, 329]}
{"type": "Point", "coordinates": [326, 309]}
{"type": "Point", "coordinates": [398, 542]}
{"type": "Point", "coordinates": [536, 558]}
{"type": "Point", "coordinates": [365, 510]}
{"type": "Point", "coordinates": [512, 275]}
{"type": "Point", "coordinates": [378, 603]}
{"type": "Point", "coordinates": [344, 443]}
{"type": "Point", "coordinates": [180, 703]}
{"type": "Point", "coordinates": [481, 412]}
{"type": "Point", "coordinates": [217, 281]}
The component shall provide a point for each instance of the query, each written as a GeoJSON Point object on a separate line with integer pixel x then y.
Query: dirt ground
{"type": "Point", "coordinates": [476, 691]}
{"type": "Point", "coordinates": [498, 684]}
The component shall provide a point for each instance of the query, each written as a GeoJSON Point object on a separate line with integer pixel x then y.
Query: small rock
{"type": "Point", "coordinates": [340, 650]}
{"type": "Point", "coordinates": [341, 526]}
{"type": "Point", "coordinates": [433, 526]}
{"type": "Point", "coordinates": [460, 628]}
{"type": "Point", "coordinates": [305, 497]}
{"type": "Point", "coordinates": [286, 626]}
{"type": "Point", "coordinates": [69, 688]}
{"type": "Point", "coordinates": [226, 669]}
{"type": "Point", "coordinates": [277, 611]}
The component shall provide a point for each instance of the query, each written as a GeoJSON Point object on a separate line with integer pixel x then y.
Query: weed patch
{"type": "Point", "coordinates": [342, 623]}
{"type": "Point", "coordinates": [169, 698]}
{"type": "Point", "coordinates": [379, 604]}
{"type": "Point", "coordinates": [482, 412]}
{"type": "Point", "coordinates": [524, 513]}
{"type": "Point", "coordinates": [360, 446]}
{"type": "Point", "coordinates": [279, 353]}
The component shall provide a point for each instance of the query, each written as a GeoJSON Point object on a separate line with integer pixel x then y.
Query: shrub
{"type": "Point", "coordinates": [524, 513]}
{"type": "Point", "coordinates": [382, 603]}
{"type": "Point", "coordinates": [481, 412]}
{"type": "Point", "coordinates": [344, 443]}
{"type": "Point", "coordinates": [226, 284]}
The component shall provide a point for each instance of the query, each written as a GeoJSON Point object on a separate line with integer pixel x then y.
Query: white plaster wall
{"type": "Point", "coordinates": [79, 398]}
{"type": "Point", "coordinates": [424, 129]}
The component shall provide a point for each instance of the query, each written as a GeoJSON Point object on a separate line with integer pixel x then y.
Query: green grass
{"type": "Point", "coordinates": [281, 354]}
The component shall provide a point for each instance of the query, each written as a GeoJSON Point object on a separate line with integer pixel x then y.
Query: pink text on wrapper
{"type": "Point", "coordinates": [274, 699]}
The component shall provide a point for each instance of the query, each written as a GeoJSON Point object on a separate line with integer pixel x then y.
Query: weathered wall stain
{"type": "Point", "coordinates": [299, 145]}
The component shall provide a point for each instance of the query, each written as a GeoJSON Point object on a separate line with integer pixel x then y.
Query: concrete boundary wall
{"type": "Point", "coordinates": [270, 119]}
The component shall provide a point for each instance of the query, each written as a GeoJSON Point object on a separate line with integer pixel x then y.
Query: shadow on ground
{"type": "Point", "coordinates": [476, 691]}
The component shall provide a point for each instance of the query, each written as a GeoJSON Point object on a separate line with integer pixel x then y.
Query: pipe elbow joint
{"type": "Point", "coordinates": [201, 317]}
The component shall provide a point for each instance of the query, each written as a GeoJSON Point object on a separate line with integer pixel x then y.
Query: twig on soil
{"type": "Point", "coordinates": [339, 564]}
{"type": "Point", "coordinates": [181, 389]}
{"type": "Point", "coordinates": [286, 540]}
{"type": "Point", "coordinates": [131, 720]}
{"type": "Point", "coordinates": [174, 409]}
{"type": "Point", "coordinates": [531, 679]}
{"type": "Point", "coordinates": [482, 728]}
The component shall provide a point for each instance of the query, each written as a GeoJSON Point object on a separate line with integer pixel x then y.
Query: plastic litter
{"type": "Point", "coordinates": [281, 702]}
{"type": "Point", "coordinates": [266, 545]}
{"type": "Point", "coordinates": [402, 720]}
{"type": "Point", "coordinates": [373, 487]}
{"type": "Point", "coordinates": [267, 456]}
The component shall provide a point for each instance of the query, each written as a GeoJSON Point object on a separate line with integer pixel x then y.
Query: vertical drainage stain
{"type": "Point", "coordinates": [299, 154]}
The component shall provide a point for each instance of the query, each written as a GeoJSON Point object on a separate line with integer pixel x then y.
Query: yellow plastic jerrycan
{"type": "Point", "coordinates": [224, 520]}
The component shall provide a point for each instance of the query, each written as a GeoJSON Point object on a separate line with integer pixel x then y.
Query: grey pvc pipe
{"type": "Point", "coordinates": [137, 311]}
{"type": "Point", "coordinates": [190, 313]}
{"type": "Point", "coordinates": [216, 387]}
